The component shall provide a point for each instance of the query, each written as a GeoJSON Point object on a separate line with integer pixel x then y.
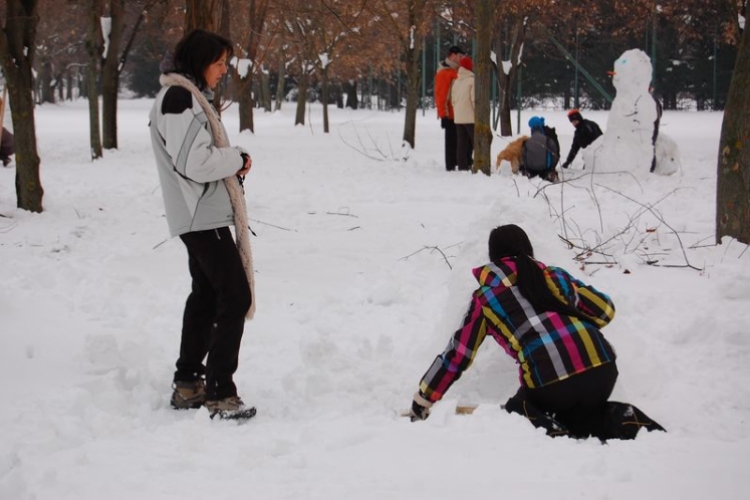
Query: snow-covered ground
{"type": "Point", "coordinates": [363, 271]}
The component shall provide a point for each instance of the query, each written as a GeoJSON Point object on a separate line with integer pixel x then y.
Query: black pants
{"type": "Point", "coordinates": [464, 145]}
{"type": "Point", "coordinates": [548, 175]}
{"type": "Point", "coordinates": [578, 403]}
{"type": "Point", "coordinates": [450, 143]}
{"type": "Point", "coordinates": [7, 146]}
{"type": "Point", "coordinates": [214, 317]}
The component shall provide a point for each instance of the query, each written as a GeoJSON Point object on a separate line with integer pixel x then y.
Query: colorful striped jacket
{"type": "Point", "coordinates": [548, 346]}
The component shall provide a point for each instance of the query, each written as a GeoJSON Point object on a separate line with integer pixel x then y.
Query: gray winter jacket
{"type": "Point", "coordinates": [191, 169]}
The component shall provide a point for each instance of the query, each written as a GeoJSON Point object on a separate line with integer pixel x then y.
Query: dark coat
{"type": "Point", "coordinates": [586, 133]}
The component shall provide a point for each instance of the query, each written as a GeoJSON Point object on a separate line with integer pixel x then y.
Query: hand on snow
{"type": "Point", "coordinates": [566, 164]}
{"type": "Point", "coordinates": [420, 408]}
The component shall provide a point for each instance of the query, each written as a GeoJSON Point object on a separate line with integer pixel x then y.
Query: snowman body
{"type": "Point", "coordinates": [628, 143]}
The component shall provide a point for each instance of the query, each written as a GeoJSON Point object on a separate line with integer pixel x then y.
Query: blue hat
{"type": "Point", "coordinates": [536, 122]}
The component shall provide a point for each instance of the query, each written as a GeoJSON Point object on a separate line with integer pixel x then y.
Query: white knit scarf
{"type": "Point", "coordinates": [236, 196]}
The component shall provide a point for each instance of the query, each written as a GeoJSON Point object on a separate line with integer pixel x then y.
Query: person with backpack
{"type": "Point", "coordinates": [550, 323]}
{"type": "Point", "coordinates": [586, 132]}
{"type": "Point", "coordinates": [541, 151]}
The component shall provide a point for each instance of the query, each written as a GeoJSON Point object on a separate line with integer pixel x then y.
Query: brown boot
{"type": "Point", "coordinates": [188, 395]}
{"type": "Point", "coordinates": [231, 408]}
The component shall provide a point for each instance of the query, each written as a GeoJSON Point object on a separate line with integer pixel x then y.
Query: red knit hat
{"type": "Point", "coordinates": [574, 114]}
{"type": "Point", "coordinates": [467, 63]}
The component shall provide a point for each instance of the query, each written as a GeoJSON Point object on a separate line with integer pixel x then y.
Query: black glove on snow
{"type": "Point", "coordinates": [420, 408]}
{"type": "Point", "coordinates": [566, 164]}
{"type": "Point", "coordinates": [445, 122]}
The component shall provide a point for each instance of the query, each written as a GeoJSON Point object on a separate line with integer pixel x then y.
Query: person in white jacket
{"type": "Point", "coordinates": [200, 178]}
{"type": "Point", "coordinates": [462, 99]}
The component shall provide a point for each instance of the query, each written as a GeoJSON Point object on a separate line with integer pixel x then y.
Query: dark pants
{"type": "Point", "coordinates": [548, 175]}
{"type": "Point", "coordinates": [464, 145]}
{"type": "Point", "coordinates": [578, 404]}
{"type": "Point", "coordinates": [450, 143]}
{"type": "Point", "coordinates": [7, 146]}
{"type": "Point", "coordinates": [214, 317]}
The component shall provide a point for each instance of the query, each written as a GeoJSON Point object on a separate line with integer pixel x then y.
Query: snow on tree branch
{"type": "Point", "coordinates": [106, 23]}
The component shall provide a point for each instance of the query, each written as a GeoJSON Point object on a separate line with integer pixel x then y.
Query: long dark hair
{"type": "Point", "coordinates": [512, 241]}
{"type": "Point", "coordinates": [197, 51]}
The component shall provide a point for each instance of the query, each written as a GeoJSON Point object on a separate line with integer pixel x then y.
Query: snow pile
{"type": "Point", "coordinates": [363, 272]}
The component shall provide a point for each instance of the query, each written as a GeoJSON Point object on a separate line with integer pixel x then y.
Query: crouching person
{"type": "Point", "coordinates": [549, 322]}
{"type": "Point", "coordinates": [541, 152]}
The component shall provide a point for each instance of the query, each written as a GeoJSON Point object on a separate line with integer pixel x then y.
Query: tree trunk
{"type": "Point", "coordinates": [208, 15]}
{"type": "Point", "coordinates": [325, 100]}
{"type": "Point", "coordinates": [351, 94]}
{"type": "Point", "coordinates": [339, 96]}
{"type": "Point", "coordinates": [733, 172]}
{"type": "Point", "coordinates": [505, 81]}
{"type": "Point", "coordinates": [17, 44]}
{"type": "Point", "coordinates": [69, 86]}
{"type": "Point", "coordinates": [413, 82]}
{"type": "Point", "coordinates": [265, 84]}
{"type": "Point", "coordinates": [111, 76]}
{"type": "Point", "coordinates": [281, 86]}
{"type": "Point", "coordinates": [203, 14]}
{"type": "Point", "coordinates": [94, 48]}
{"type": "Point", "coordinates": [257, 14]}
{"type": "Point", "coordinates": [60, 87]}
{"type": "Point", "coordinates": [245, 87]}
{"type": "Point", "coordinates": [482, 87]}
{"type": "Point", "coordinates": [221, 20]}
{"type": "Point", "coordinates": [45, 80]}
{"type": "Point", "coordinates": [299, 117]}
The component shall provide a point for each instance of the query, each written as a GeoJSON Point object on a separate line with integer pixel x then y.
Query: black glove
{"type": "Point", "coordinates": [566, 164]}
{"type": "Point", "coordinates": [418, 412]}
{"type": "Point", "coordinates": [420, 407]}
{"type": "Point", "coordinates": [445, 122]}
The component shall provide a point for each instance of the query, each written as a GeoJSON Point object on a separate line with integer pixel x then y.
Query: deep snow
{"type": "Point", "coordinates": [353, 305]}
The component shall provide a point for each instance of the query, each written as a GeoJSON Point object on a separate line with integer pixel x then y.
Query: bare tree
{"type": "Point", "coordinates": [254, 23]}
{"type": "Point", "coordinates": [507, 71]}
{"type": "Point", "coordinates": [111, 73]}
{"type": "Point", "coordinates": [203, 14]}
{"type": "Point", "coordinates": [210, 15]}
{"type": "Point", "coordinates": [483, 86]}
{"type": "Point", "coordinates": [115, 59]}
{"type": "Point", "coordinates": [733, 172]}
{"type": "Point", "coordinates": [17, 46]}
{"type": "Point", "coordinates": [94, 47]}
{"type": "Point", "coordinates": [407, 22]}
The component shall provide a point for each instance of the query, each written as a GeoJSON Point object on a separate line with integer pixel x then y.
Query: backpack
{"type": "Point", "coordinates": [553, 147]}
{"type": "Point", "coordinates": [541, 152]}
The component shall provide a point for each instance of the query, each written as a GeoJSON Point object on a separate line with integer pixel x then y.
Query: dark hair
{"type": "Point", "coordinates": [198, 50]}
{"type": "Point", "coordinates": [512, 241]}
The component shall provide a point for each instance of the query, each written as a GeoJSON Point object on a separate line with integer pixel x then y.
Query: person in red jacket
{"type": "Point", "coordinates": [447, 72]}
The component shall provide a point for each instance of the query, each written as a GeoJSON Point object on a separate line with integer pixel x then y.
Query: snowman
{"type": "Point", "coordinates": [628, 142]}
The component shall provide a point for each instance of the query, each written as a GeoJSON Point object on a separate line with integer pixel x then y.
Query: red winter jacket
{"type": "Point", "coordinates": [443, 80]}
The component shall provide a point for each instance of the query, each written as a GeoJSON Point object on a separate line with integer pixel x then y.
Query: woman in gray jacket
{"type": "Point", "coordinates": [201, 178]}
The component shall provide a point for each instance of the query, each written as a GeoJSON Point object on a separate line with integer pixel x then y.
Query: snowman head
{"type": "Point", "coordinates": [632, 72]}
